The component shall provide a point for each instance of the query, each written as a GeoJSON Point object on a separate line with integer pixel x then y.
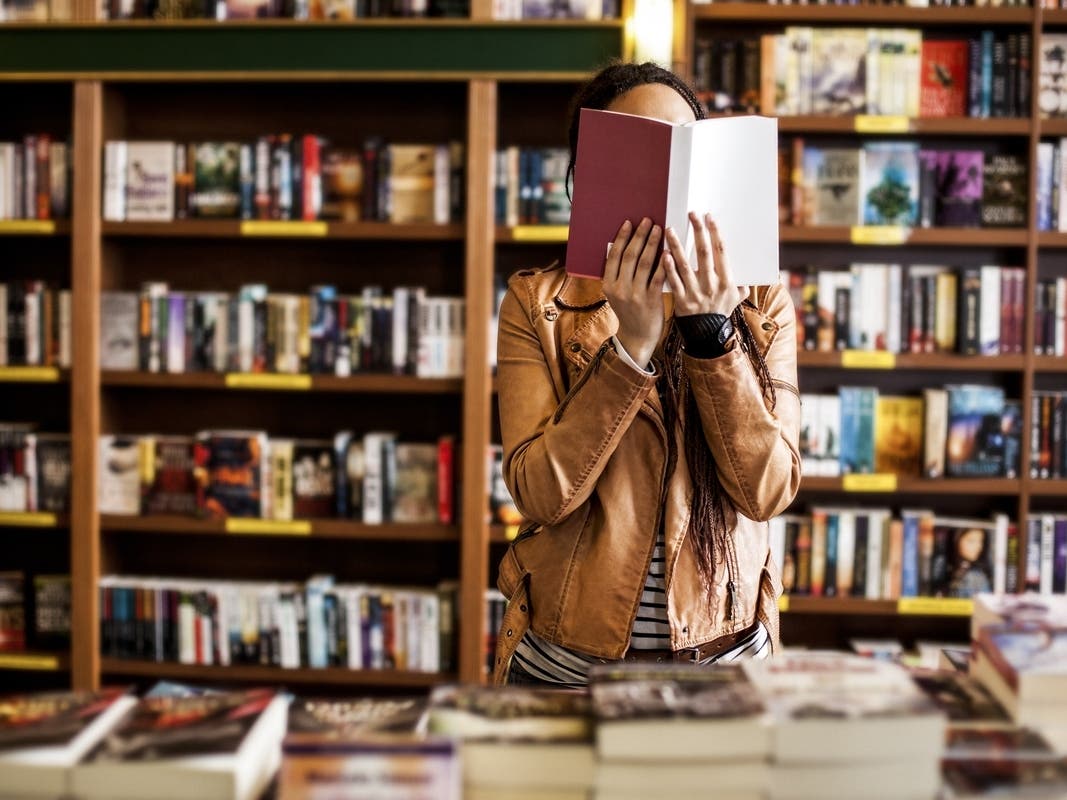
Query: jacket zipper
{"type": "Point", "coordinates": [590, 368]}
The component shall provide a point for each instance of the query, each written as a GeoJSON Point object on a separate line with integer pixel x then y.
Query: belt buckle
{"type": "Point", "coordinates": [687, 655]}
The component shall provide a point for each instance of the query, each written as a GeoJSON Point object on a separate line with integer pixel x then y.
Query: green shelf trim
{"type": "Point", "coordinates": [70, 51]}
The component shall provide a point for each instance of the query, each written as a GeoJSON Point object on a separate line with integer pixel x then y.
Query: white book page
{"type": "Point", "coordinates": [734, 176]}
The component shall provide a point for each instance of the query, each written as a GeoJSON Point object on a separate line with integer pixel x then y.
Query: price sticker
{"type": "Point", "coordinates": [28, 519]}
{"type": "Point", "coordinates": [877, 482]}
{"type": "Point", "coordinates": [20, 226]}
{"type": "Point", "coordinates": [936, 606]}
{"type": "Point", "coordinates": [29, 374]}
{"type": "Point", "coordinates": [882, 123]}
{"type": "Point", "coordinates": [258, 227]}
{"type": "Point", "coordinates": [783, 603]}
{"type": "Point", "coordinates": [29, 661]}
{"type": "Point", "coordinates": [879, 234]}
{"type": "Point", "coordinates": [868, 359]}
{"type": "Point", "coordinates": [267, 380]}
{"type": "Point", "coordinates": [539, 233]}
{"type": "Point", "coordinates": [268, 527]}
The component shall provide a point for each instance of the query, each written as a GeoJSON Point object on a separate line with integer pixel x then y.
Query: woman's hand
{"type": "Point", "coordinates": [634, 287]}
{"type": "Point", "coordinates": [710, 289]}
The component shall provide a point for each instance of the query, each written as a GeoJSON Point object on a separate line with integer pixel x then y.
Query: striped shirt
{"type": "Point", "coordinates": [651, 631]}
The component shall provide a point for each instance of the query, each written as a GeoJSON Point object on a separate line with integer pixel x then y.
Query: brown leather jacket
{"type": "Point", "coordinates": [584, 457]}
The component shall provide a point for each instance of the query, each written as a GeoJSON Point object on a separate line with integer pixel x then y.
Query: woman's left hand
{"type": "Point", "coordinates": [710, 288]}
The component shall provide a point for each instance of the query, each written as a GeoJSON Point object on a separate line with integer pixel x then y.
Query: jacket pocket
{"type": "Point", "coordinates": [770, 588]}
{"type": "Point", "coordinates": [511, 574]}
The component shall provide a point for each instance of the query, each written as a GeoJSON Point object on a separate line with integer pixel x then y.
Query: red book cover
{"type": "Point", "coordinates": [622, 173]}
{"type": "Point", "coordinates": [445, 480]}
{"type": "Point", "coordinates": [312, 204]}
{"type": "Point", "coordinates": [943, 88]}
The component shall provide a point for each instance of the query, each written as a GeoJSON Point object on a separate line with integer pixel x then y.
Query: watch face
{"type": "Point", "coordinates": [726, 331]}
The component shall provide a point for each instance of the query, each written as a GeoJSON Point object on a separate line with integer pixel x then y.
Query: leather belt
{"type": "Point", "coordinates": [694, 654]}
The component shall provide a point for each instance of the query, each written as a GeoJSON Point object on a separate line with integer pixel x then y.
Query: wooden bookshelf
{"type": "Point", "coordinates": [760, 13]}
{"type": "Point", "coordinates": [355, 384]}
{"type": "Point", "coordinates": [274, 676]}
{"type": "Point", "coordinates": [1052, 239]}
{"type": "Point", "coordinates": [988, 487]}
{"type": "Point", "coordinates": [315, 528]}
{"type": "Point", "coordinates": [1047, 488]}
{"type": "Point", "coordinates": [940, 362]}
{"type": "Point", "coordinates": [1054, 16]}
{"type": "Point", "coordinates": [892, 236]}
{"type": "Point", "coordinates": [934, 126]}
{"type": "Point", "coordinates": [848, 606]}
{"type": "Point", "coordinates": [1050, 363]}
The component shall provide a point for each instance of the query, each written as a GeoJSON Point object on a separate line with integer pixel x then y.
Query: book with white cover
{"type": "Point", "coordinates": [840, 708]}
{"type": "Point", "coordinates": [42, 736]}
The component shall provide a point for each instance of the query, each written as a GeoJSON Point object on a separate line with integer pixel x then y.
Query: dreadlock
{"type": "Point", "coordinates": [712, 514]}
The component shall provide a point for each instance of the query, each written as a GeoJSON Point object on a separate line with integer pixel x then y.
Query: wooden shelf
{"type": "Point", "coordinates": [33, 519]}
{"type": "Point", "coordinates": [958, 237]}
{"type": "Point", "coordinates": [1057, 16]}
{"type": "Point", "coordinates": [35, 661]}
{"type": "Point", "coordinates": [234, 229]}
{"type": "Point", "coordinates": [274, 675]}
{"type": "Point", "coordinates": [755, 12]}
{"type": "Point", "coordinates": [355, 384]}
{"type": "Point", "coordinates": [847, 606]}
{"type": "Point", "coordinates": [931, 361]}
{"type": "Point", "coordinates": [955, 126]}
{"type": "Point", "coordinates": [1047, 487]}
{"type": "Point", "coordinates": [1052, 239]}
{"type": "Point", "coordinates": [945, 486]}
{"type": "Point", "coordinates": [1050, 363]}
{"type": "Point", "coordinates": [316, 528]}
{"type": "Point", "coordinates": [34, 227]}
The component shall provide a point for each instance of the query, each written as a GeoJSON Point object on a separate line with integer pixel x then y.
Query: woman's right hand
{"type": "Point", "coordinates": [633, 284]}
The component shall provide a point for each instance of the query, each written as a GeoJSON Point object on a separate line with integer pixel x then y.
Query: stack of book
{"type": "Point", "coordinates": [1019, 653]}
{"type": "Point", "coordinates": [517, 742]}
{"type": "Point", "coordinates": [848, 727]}
{"type": "Point", "coordinates": [678, 729]}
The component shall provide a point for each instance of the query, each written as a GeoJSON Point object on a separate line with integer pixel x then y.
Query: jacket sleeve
{"type": "Point", "coordinates": [755, 447]}
{"type": "Point", "coordinates": [555, 449]}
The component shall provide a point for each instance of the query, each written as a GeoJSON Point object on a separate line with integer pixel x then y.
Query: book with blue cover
{"type": "Point", "coordinates": [975, 446]}
{"type": "Point", "coordinates": [889, 188]}
{"type": "Point", "coordinates": [857, 428]}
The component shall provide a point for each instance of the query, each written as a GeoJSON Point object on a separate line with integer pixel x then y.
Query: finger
{"type": "Point", "coordinates": [634, 249]}
{"type": "Point", "coordinates": [722, 266]}
{"type": "Point", "coordinates": [743, 292]}
{"type": "Point", "coordinates": [646, 263]}
{"type": "Point", "coordinates": [679, 260]}
{"type": "Point", "coordinates": [655, 283]}
{"type": "Point", "coordinates": [614, 258]}
{"type": "Point", "coordinates": [705, 259]}
{"type": "Point", "coordinates": [670, 269]}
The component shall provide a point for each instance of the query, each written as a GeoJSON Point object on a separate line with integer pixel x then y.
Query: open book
{"type": "Point", "coordinates": [630, 167]}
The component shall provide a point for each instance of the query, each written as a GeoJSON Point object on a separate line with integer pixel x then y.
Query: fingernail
{"type": "Point", "coordinates": [627, 224]}
{"type": "Point", "coordinates": [656, 230]}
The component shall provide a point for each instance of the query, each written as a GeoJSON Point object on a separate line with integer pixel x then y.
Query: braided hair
{"type": "Point", "coordinates": [712, 513]}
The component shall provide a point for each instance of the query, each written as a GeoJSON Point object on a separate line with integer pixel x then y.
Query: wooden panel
{"type": "Point", "coordinates": [319, 528]}
{"type": "Point", "coordinates": [861, 14]}
{"type": "Point", "coordinates": [1047, 488]}
{"type": "Point", "coordinates": [356, 384]}
{"type": "Point", "coordinates": [225, 228]}
{"type": "Point", "coordinates": [967, 237]}
{"type": "Point", "coordinates": [945, 486]}
{"type": "Point", "coordinates": [932, 361]}
{"type": "Point", "coordinates": [85, 384]}
{"type": "Point", "coordinates": [956, 126]}
{"type": "Point", "coordinates": [474, 574]}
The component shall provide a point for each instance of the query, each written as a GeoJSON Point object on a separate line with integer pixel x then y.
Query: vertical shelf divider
{"type": "Point", "coordinates": [85, 384]}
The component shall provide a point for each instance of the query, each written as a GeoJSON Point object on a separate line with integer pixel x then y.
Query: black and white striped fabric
{"type": "Point", "coordinates": [552, 663]}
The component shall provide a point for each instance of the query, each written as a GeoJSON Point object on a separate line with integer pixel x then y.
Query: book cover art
{"type": "Point", "coordinates": [1004, 192]}
{"type": "Point", "coordinates": [943, 90]}
{"type": "Point", "coordinates": [975, 440]}
{"type": "Point", "coordinates": [1011, 427]}
{"type": "Point", "coordinates": [216, 180]}
{"type": "Point", "coordinates": [959, 179]}
{"type": "Point", "coordinates": [898, 435]}
{"type": "Point", "coordinates": [314, 479]}
{"type": "Point", "coordinates": [150, 181]}
{"type": "Point", "coordinates": [839, 82]}
{"type": "Point", "coordinates": [857, 428]}
{"type": "Point", "coordinates": [1006, 777]}
{"type": "Point", "coordinates": [172, 727]}
{"type": "Point", "coordinates": [411, 183]}
{"type": "Point", "coordinates": [229, 473]}
{"type": "Point", "coordinates": [415, 493]}
{"type": "Point", "coordinates": [51, 609]}
{"type": "Point", "coordinates": [342, 184]}
{"type": "Point", "coordinates": [119, 317]}
{"type": "Point", "coordinates": [53, 472]}
{"type": "Point", "coordinates": [247, 9]}
{"type": "Point", "coordinates": [633, 691]}
{"type": "Point", "coordinates": [995, 741]}
{"type": "Point", "coordinates": [120, 475]}
{"type": "Point", "coordinates": [45, 719]}
{"type": "Point", "coordinates": [890, 183]}
{"type": "Point", "coordinates": [510, 712]}
{"type": "Point", "coordinates": [832, 177]}
{"type": "Point", "coordinates": [1025, 649]}
{"type": "Point", "coordinates": [1052, 88]}
{"type": "Point", "coordinates": [965, 701]}
{"type": "Point", "coordinates": [342, 718]}
{"type": "Point", "coordinates": [167, 482]}
{"type": "Point", "coordinates": [966, 547]}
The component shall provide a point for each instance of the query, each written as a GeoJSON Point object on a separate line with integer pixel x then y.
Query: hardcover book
{"type": "Point", "coordinates": [975, 442]}
{"type": "Point", "coordinates": [898, 435]}
{"type": "Point", "coordinates": [725, 166]}
{"type": "Point", "coordinates": [150, 181]}
{"type": "Point", "coordinates": [943, 92]}
{"type": "Point", "coordinates": [677, 711]}
{"type": "Point", "coordinates": [342, 184]}
{"type": "Point", "coordinates": [119, 318]}
{"type": "Point", "coordinates": [857, 428]}
{"type": "Point", "coordinates": [963, 557]}
{"type": "Point", "coordinates": [53, 472]}
{"type": "Point", "coordinates": [1052, 89]}
{"type": "Point", "coordinates": [833, 177]}
{"type": "Point", "coordinates": [839, 83]}
{"type": "Point", "coordinates": [411, 183]}
{"type": "Point", "coordinates": [415, 493]}
{"type": "Point", "coordinates": [314, 479]}
{"type": "Point", "coordinates": [968, 704]}
{"type": "Point", "coordinates": [120, 477]}
{"type": "Point", "coordinates": [959, 188]}
{"type": "Point", "coordinates": [514, 713]}
{"type": "Point", "coordinates": [51, 610]}
{"type": "Point", "coordinates": [229, 473]}
{"type": "Point", "coordinates": [167, 482]}
{"type": "Point", "coordinates": [216, 180]}
{"type": "Point", "coordinates": [890, 183]}
{"type": "Point", "coordinates": [12, 611]}
{"type": "Point", "coordinates": [1004, 192]}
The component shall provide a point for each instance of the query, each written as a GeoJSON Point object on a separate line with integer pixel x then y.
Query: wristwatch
{"type": "Point", "coordinates": [725, 326]}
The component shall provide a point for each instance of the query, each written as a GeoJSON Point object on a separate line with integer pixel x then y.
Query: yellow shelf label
{"type": "Point", "coordinates": [43, 226]}
{"type": "Point", "coordinates": [28, 519]}
{"type": "Point", "coordinates": [29, 374]}
{"type": "Point", "coordinates": [875, 123]}
{"type": "Point", "coordinates": [936, 606]}
{"type": "Point", "coordinates": [878, 482]}
{"type": "Point", "coordinates": [510, 532]}
{"type": "Point", "coordinates": [267, 380]}
{"type": "Point", "coordinates": [539, 233]}
{"type": "Point", "coordinates": [28, 661]}
{"type": "Point", "coordinates": [783, 603]}
{"type": "Point", "coordinates": [879, 234]}
{"type": "Point", "coordinates": [270, 527]}
{"type": "Point", "coordinates": [259, 227]}
{"type": "Point", "coordinates": [868, 359]}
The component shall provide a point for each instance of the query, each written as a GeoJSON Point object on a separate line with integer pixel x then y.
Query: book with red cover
{"type": "Point", "coordinates": [630, 167]}
{"type": "Point", "coordinates": [943, 88]}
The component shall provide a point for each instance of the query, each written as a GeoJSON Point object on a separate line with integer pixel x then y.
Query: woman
{"type": "Point", "coordinates": [647, 445]}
